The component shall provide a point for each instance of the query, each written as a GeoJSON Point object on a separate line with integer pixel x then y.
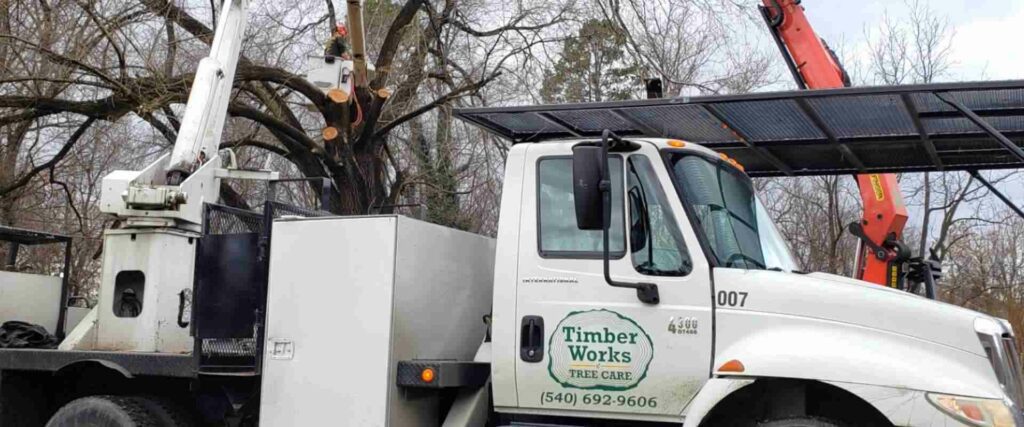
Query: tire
{"type": "Point", "coordinates": [120, 411]}
{"type": "Point", "coordinates": [800, 422]}
{"type": "Point", "coordinates": [104, 411]}
{"type": "Point", "coordinates": [166, 412]}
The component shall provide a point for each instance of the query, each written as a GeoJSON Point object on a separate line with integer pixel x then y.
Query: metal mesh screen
{"type": "Point", "coordinates": [279, 209]}
{"type": "Point", "coordinates": [232, 347]}
{"type": "Point", "coordinates": [227, 220]}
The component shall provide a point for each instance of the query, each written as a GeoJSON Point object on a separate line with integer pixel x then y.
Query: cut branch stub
{"type": "Point", "coordinates": [330, 133]}
{"type": "Point", "coordinates": [337, 96]}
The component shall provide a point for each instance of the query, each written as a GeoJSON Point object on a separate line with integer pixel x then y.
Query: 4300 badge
{"type": "Point", "coordinates": [569, 398]}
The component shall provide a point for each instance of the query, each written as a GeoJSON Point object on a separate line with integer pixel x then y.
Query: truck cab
{"type": "Point", "coordinates": [738, 335]}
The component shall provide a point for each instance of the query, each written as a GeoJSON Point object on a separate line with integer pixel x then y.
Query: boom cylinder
{"type": "Point", "coordinates": [201, 127]}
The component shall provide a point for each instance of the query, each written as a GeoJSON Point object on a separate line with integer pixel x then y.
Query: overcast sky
{"type": "Point", "coordinates": [988, 43]}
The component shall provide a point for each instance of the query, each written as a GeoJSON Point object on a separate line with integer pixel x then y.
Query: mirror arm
{"type": "Point", "coordinates": [645, 292]}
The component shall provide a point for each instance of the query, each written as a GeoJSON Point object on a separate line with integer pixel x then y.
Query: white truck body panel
{"type": "Point", "coordinates": [353, 296]}
{"type": "Point", "coordinates": [30, 298]}
{"type": "Point", "coordinates": [505, 352]}
{"type": "Point", "coordinates": [166, 259]}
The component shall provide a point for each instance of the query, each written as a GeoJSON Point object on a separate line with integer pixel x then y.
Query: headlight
{"type": "Point", "coordinates": [973, 411]}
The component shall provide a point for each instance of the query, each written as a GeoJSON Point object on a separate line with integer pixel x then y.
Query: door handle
{"type": "Point", "coordinates": [531, 346]}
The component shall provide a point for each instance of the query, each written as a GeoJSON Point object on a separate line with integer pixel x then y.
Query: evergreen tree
{"type": "Point", "coordinates": [593, 67]}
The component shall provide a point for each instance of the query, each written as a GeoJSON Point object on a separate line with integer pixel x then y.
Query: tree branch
{"type": "Point", "coordinates": [383, 130]}
{"type": "Point", "coordinates": [24, 179]}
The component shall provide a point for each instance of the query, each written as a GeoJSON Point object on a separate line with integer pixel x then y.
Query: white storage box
{"type": "Point", "coordinates": [349, 298]}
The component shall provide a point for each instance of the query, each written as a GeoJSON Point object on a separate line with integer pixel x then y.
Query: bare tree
{"type": "Point", "coordinates": [695, 44]}
{"type": "Point", "coordinates": [76, 104]}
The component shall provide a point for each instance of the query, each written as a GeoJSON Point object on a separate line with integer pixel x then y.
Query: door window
{"type": "Point", "coordinates": [560, 237]}
{"type": "Point", "coordinates": [655, 241]}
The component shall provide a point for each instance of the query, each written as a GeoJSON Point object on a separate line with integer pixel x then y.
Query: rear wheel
{"type": "Point", "coordinates": [118, 411]}
{"type": "Point", "coordinates": [800, 422]}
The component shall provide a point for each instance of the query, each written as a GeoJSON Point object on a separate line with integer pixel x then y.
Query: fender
{"type": "Point", "coordinates": [790, 346]}
{"type": "Point", "coordinates": [84, 364]}
{"type": "Point", "coordinates": [714, 391]}
{"type": "Point", "coordinates": [902, 407]}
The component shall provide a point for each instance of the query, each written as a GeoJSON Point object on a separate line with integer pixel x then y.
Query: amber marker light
{"type": "Point", "coordinates": [676, 143]}
{"type": "Point", "coordinates": [732, 366]}
{"type": "Point", "coordinates": [427, 375]}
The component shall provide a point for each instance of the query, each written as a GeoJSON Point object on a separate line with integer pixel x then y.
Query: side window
{"type": "Point", "coordinates": [556, 213]}
{"type": "Point", "coordinates": [654, 239]}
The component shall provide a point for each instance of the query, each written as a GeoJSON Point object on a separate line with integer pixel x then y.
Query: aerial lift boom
{"type": "Point", "coordinates": [881, 253]}
{"type": "Point", "coordinates": [148, 260]}
{"type": "Point", "coordinates": [207, 106]}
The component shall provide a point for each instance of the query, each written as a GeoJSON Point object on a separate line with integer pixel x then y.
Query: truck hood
{"type": "Point", "coordinates": [841, 299]}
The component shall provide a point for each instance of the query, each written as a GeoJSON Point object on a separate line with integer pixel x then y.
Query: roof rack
{"type": "Point", "coordinates": [30, 237]}
{"type": "Point", "coordinates": [913, 128]}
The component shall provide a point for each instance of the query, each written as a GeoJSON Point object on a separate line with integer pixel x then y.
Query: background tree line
{"type": "Point", "coordinates": [91, 86]}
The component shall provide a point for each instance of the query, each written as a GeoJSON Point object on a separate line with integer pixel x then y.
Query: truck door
{"type": "Point", "coordinates": [586, 346]}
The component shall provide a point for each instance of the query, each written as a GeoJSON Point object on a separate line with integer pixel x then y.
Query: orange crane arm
{"type": "Point", "coordinates": [814, 66]}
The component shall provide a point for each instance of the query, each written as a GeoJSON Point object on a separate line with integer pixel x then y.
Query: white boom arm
{"type": "Point", "coordinates": [201, 128]}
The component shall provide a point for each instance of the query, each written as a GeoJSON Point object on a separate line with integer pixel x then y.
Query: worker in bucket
{"type": "Point", "coordinates": [337, 46]}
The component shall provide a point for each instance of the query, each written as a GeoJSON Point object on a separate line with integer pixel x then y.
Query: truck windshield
{"type": "Point", "coordinates": [735, 224]}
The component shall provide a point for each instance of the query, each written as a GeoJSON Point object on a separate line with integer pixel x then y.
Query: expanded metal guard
{"type": "Point", "coordinates": [227, 220]}
{"type": "Point", "coordinates": [278, 210]}
{"type": "Point", "coordinates": [230, 347]}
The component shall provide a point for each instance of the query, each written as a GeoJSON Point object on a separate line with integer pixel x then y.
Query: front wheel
{"type": "Point", "coordinates": [800, 422]}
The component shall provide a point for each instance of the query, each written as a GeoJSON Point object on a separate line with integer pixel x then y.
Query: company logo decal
{"type": "Point", "coordinates": [599, 350]}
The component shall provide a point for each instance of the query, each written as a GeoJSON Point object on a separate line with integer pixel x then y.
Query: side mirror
{"type": "Point", "coordinates": [586, 188]}
{"type": "Point", "coordinates": [592, 192]}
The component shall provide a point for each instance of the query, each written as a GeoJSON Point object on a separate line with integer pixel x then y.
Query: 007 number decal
{"type": "Point", "coordinates": [732, 299]}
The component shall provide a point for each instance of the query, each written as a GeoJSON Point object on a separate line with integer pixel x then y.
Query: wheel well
{"type": "Point", "coordinates": [768, 399]}
{"type": "Point", "coordinates": [38, 394]}
{"type": "Point", "coordinates": [89, 377]}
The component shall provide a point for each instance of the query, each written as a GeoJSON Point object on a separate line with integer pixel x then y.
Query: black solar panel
{"type": "Point", "coordinates": [811, 132]}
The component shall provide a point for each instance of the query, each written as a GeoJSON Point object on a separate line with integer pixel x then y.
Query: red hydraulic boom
{"type": "Point", "coordinates": [881, 254]}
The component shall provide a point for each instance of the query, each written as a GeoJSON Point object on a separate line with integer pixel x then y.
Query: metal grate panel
{"type": "Point", "coordinates": [812, 132]}
{"type": "Point", "coordinates": [777, 120]}
{"type": "Point", "coordinates": [690, 122]}
{"type": "Point", "coordinates": [959, 125]}
{"type": "Point", "coordinates": [279, 209]}
{"type": "Point", "coordinates": [865, 116]}
{"type": "Point", "coordinates": [227, 220]}
{"type": "Point", "coordinates": [596, 121]}
{"type": "Point", "coordinates": [231, 347]}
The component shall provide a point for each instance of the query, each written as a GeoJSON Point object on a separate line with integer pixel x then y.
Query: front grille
{"type": "Point", "coordinates": [1001, 349]}
{"type": "Point", "coordinates": [1011, 377]}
